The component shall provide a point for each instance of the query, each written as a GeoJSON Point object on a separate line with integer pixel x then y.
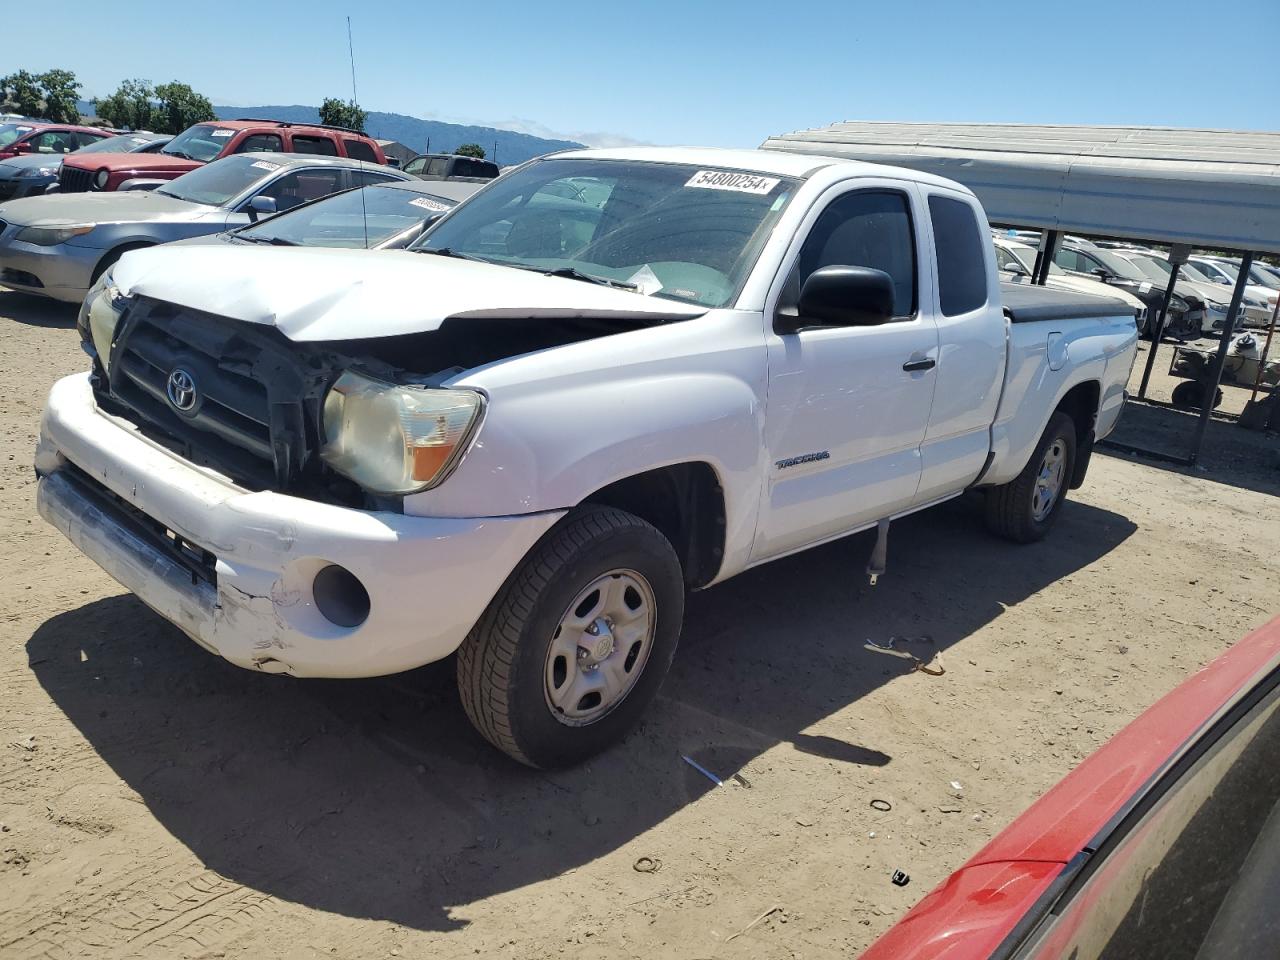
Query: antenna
{"type": "Point", "coordinates": [364, 212]}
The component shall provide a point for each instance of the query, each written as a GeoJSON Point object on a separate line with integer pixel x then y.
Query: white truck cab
{"type": "Point", "coordinates": [607, 378]}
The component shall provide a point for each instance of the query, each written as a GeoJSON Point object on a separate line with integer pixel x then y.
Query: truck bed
{"type": "Point", "coordinates": [1024, 303]}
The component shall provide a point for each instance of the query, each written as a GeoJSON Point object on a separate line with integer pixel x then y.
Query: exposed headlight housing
{"type": "Point", "coordinates": [100, 179]}
{"type": "Point", "coordinates": [53, 235]}
{"type": "Point", "coordinates": [396, 439]}
{"type": "Point", "coordinates": [101, 311]}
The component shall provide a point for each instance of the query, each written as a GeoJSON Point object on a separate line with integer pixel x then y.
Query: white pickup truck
{"type": "Point", "coordinates": [607, 378]}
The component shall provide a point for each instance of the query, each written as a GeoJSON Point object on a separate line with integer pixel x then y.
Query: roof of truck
{"type": "Point", "coordinates": [759, 161]}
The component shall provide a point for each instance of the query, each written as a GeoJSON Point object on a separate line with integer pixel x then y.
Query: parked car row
{"type": "Point", "coordinates": [31, 174]}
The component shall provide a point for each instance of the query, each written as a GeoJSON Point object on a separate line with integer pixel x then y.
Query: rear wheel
{"type": "Point", "coordinates": [1190, 395]}
{"type": "Point", "coordinates": [577, 641]}
{"type": "Point", "coordinates": [1024, 509]}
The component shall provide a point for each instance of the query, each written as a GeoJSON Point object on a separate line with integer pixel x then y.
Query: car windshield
{"type": "Point", "coordinates": [1188, 271]}
{"type": "Point", "coordinates": [357, 218]}
{"type": "Point", "coordinates": [202, 142]}
{"type": "Point", "coordinates": [122, 144]}
{"type": "Point", "coordinates": [217, 183]}
{"type": "Point", "coordinates": [663, 229]}
{"type": "Point", "coordinates": [1229, 269]}
{"type": "Point", "coordinates": [1118, 265]}
{"type": "Point", "coordinates": [1259, 274]}
{"type": "Point", "coordinates": [10, 132]}
{"type": "Point", "coordinates": [1153, 268]}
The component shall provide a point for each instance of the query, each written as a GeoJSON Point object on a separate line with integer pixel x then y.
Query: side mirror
{"type": "Point", "coordinates": [1101, 273]}
{"type": "Point", "coordinates": [840, 296]}
{"type": "Point", "coordinates": [261, 206]}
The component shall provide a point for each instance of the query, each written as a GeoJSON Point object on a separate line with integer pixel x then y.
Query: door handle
{"type": "Point", "coordinates": [915, 366]}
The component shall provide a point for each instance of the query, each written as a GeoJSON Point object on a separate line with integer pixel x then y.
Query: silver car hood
{"type": "Point", "coordinates": [134, 206]}
{"type": "Point", "coordinates": [330, 294]}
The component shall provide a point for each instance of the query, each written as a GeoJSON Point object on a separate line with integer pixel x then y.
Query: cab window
{"type": "Point", "coordinates": [261, 143]}
{"type": "Point", "coordinates": [322, 146]}
{"type": "Point", "coordinates": [962, 268]}
{"type": "Point", "coordinates": [359, 150]}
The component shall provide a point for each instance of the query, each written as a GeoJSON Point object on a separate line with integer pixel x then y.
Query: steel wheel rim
{"type": "Point", "coordinates": [600, 647]}
{"type": "Point", "coordinates": [1049, 480]}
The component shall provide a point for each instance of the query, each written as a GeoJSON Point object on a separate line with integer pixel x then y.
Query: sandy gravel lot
{"type": "Point", "coordinates": [157, 802]}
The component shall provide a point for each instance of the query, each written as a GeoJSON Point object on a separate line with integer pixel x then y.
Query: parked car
{"type": "Point", "coordinates": [1255, 307]}
{"type": "Point", "coordinates": [1213, 313]}
{"type": "Point", "coordinates": [57, 246]}
{"type": "Point", "coordinates": [29, 175]}
{"type": "Point", "coordinates": [1163, 843]}
{"type": "Point", "coordinates": [449, 166]}
{"type": "Point", "coordinates": [46, 139]}
{"type": "Point", "coordinates": [1016, 261]}
{"type": "Point", "coordinates": [206, 142]}
{"type": "Point", "coordinates": [1260, 295]}
{"type": "Point", "coordinates": [525, 436]}
{"type": "Point", "coordinates": [1083, 259]}
{"type": "Point", "coordinates": [384, 216]}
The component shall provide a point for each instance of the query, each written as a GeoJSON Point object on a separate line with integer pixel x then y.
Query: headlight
{"type": "Point", "coordinates": [100, 179]}
{"type": "Point", "coordinates": [103, 306]}
{"type": "Point", "coordinates": [52, 236]}
{"type": "Point", "coordinates": [36, 172]}
{"type": "Point", "coordinates": [396, 439]}
{"type": "Point", "coordinates": [1216, 307]}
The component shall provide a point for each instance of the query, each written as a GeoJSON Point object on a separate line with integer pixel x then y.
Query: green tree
{"type": "Point", "coordinates": [61, 95]}
{"type": "Point", "coordinates": [20, 93]}
{"type": "Point", "coordinates": [470, 150]}
{"type": "Point", "coordinates": [343, 113]}
{"type": "Point", "coordinates": [179, 107]}
{"type": "Point", "coordinates": [132, 106]}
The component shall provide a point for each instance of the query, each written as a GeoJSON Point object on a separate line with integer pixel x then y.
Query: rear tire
{"type": "Point", "coordinates": [1190, 395]}
{"type": "Point", "coordinates": [1024, 509]}
{"type": "Point", "coordinates": [578, 640]}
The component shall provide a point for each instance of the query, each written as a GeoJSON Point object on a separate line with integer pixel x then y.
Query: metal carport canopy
{"type": "Point", "coordinates": [1206, 188]}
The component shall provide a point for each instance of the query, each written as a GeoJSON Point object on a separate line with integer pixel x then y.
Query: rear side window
{"type": "Point", "coordinates": [359, 150]}
{"type": "Point", "coordinates": [962, 268]}
{"type": "Point", "coordinates": [866, 228]}
{"type": "Point", "coordinates": [261, 143]}
{"type": "Point", "coordinates": [319, 145]}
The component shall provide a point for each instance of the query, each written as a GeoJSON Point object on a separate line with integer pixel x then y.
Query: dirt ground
{"type": "Point", "coordinates": [158, 802]}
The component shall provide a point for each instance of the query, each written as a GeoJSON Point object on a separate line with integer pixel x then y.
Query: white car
{"type": "Point", "coordinates": [1259, 293]}
{"type": "Point", "coordinates": [1017, 260]}
{"type": "Point", "coordinates": [605, 379]}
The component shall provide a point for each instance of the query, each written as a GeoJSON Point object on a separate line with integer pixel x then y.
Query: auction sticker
{"type": "Point", "coordinates": [737, 182]}
{"type": "Point", "coordinates": [221, 133]}
{"type": "Point", "coordinates": [265, 165]}
{"type": "Point", "coordinates": [428, 204]}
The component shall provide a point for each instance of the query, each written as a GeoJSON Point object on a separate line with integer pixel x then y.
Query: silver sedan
{"type": "Point", "coordinates": [57, 245]}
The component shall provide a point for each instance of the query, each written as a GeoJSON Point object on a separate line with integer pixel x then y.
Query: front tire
{"type": "Point", "coordinates": [1024, 509]}
{"type": "Point", "coordinates": [578, 640]}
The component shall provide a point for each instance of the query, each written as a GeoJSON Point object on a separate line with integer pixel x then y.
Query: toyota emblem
{"type": "Point", "coordinates": [181, 389]}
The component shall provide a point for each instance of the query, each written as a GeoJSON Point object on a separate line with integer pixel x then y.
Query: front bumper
{"type": "Point", "coordinates": [62, 271]}
{"type": "Point", "coordinates": [14, 188]}
{"type": "Point", "coordinates": [428, 579]}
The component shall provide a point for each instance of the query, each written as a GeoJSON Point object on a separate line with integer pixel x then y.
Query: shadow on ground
{"type": "Point", "coordinates": [37, 311]}
{"type": "Point", "coordinates": [374, 798]}
{"type": "Point", "coordinates": [1231, 454]}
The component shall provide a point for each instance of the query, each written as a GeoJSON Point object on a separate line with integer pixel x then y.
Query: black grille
{"type": "Point", "coordinates": [74, 180]}
{"type": "Point", "coordinates": [254, 414]}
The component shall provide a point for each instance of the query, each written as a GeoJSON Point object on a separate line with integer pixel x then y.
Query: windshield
{"type": "Point", "coordinates": [122, 144]}
{"type": "Point", "coordinates": [1153, 268]}
{"type": "Point", "coordinates": [1228, 268]}
{"type": "Point", "coordinates": [1189, 272]}
{"type": "Point", "coordinates": [1259, 274]}
{"type": "Point", "coordinates": [1118, 265]}
{"type": "Point", "coordinates": [10, 132]}
{"type": "Point", "coordinates": [664, 229]}
{"type": "Point", "coordinates": [347, 219]}
{"type": "Point", "coordinates": [217, 183]}
{"type": "Point", "coordinates": [202, 142]}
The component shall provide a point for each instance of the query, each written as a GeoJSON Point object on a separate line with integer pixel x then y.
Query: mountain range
{"type": "Point", "coordinates": [506, 147]}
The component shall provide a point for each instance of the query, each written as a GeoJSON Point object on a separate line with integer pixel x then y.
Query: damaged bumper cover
{"type": "Point", "coordinates": [428, 579]}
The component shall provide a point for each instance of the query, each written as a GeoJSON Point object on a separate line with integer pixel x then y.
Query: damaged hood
{"type": "Point", "coordinates": [320, 294]}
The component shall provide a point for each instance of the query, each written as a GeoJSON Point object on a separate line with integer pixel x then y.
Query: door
{"type": "Point", "coordinates": [844, 420]}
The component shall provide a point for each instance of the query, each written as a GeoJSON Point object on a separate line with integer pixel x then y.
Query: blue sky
{"type": "Point", "coordinates": [726, 74]}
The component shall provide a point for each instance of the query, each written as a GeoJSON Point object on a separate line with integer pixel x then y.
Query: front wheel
{"type": "Point", "coordinates": [578, 640]}
{"type": "Point", "coordinates": [1024, 509]}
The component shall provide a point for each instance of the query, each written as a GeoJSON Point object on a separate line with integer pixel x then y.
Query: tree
{"type": "Point", "coordinates": [132, 105]}
{"type": "Point", "coordinates": [342, 113]}
{"type": "Point", "coordinates": [470, 150]}
{"type": "Point", "coordinates": [61, 96]}
{"type": "Point", "coordinates": [179, 107]}
{"type": "Point", "coordinates": [20, 93]}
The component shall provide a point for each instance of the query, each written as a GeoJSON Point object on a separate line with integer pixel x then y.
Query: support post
{"type": "Point", "coordinates": [1049, 241]}
{"type": "Point", "coordinates": [1178, 254]}
{"type": "Point", "coordinates": [1220, 360]}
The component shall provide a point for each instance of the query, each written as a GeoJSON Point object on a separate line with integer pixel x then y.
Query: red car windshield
{"type": "Point", "coordinates": [202, 142]}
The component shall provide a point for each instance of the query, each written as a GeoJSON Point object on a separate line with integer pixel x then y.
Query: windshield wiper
{"type": "Point", "coordinates": [274, 241]}
{"type": "Point", "coordinates": [447, 252]}
{"type": "Point", "coordinates": [179, 153]}
{"type": "Point", "coordinates": [573, 273]}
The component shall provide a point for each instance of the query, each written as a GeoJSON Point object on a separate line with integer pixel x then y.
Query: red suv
{"type": "Point", "coordinates": [22, 138]}
{"type": "Point", "coordinates": [204, 142]}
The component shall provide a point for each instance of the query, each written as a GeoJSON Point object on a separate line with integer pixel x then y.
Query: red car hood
{"type": "Point", "coordinates": [149, 162]}
{"type": "Point", "coordinates": [972, 911]}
